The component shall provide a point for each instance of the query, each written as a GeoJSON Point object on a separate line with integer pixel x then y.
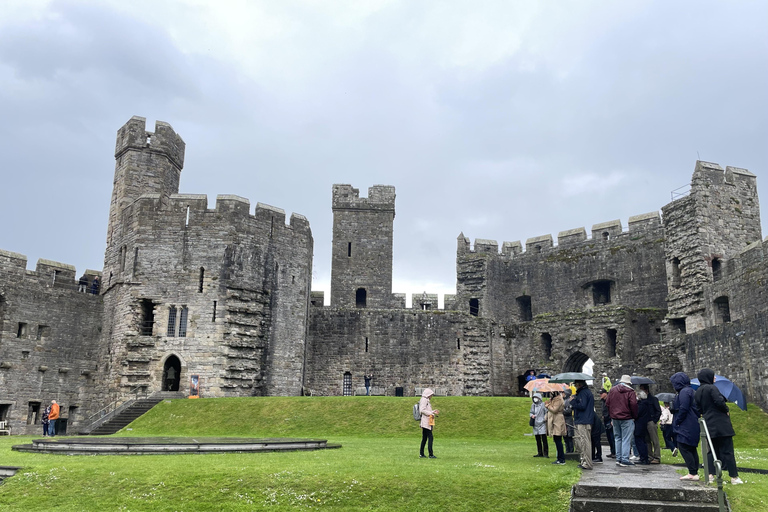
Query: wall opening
{"type": "Point", "coordinates": [458, 343]}
{"type": "Point", "coordinates": [135, 260]}
{"type": "Point", "coordinates": [722, 310]}
{"type": "Point", "coordinates": [22, 330]}
{"type": "Point", "coordinates": [147, 321]}
{"type": "Point", "coordinates": [171, 330]}
{"type": "Point", "coordinates": [601, 292]}
{"type": "Point", "coordinates": [474, 307]}
{"type": "Point", "coordinates": [349, 249]}
{"type": "Point", "coordinates": [610, 342]}
{"type": "Point", "coordinates": [33, 413]}
{"type": "Point", "coordinates": [171, 374]}
{"type": "Point", "coordinates": [202, 280]}
{"type": "Point", "coordinates": [346, 387]}
{"type": "Point", "coordinates": [717, 269]}
{"type": "Point", "coordinates": [214, 311]}
{"type": "Point", "coordinates": [546, 344]}
{"type": "Point", "coordinates": [524, 306]}
{"type": "Point", "coordinates": [676, 272]}
{"type": "Point", "coordinates": [361, 298]}
{"type": "Point", "coordinates": [2, 314]}
{"type": "Point", "coordinates": [4, 410]}
{"type": "Point", "coordinates": [43, 331]}
{"type": "Point", "coordinates": [183, 322]}
{"type": "Point", "coordinates": [576, 363]}
{"type": "Point", "coordinates": [366, 344]}
{"type": "Point", "coordinates": [72, 413]}
{"type": "Point", "coordinates": [678, 324]}
{"type": "Point", "coordinates": [606, 235]}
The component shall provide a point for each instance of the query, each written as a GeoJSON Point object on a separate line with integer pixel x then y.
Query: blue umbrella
{"type": "Point", "coordinates": [730, 391]}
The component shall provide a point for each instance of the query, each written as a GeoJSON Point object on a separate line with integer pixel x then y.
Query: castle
{"type": "Point", "coordinates": [222, 297]}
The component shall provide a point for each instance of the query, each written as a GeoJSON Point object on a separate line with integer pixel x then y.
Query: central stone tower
{"type": "Point", "coordinates": [361, 269]}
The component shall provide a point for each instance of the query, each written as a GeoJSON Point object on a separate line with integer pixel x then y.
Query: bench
{"type": "Point", "coordinates": [5, 428]}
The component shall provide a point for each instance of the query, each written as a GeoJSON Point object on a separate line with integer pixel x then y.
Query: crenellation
{"type": "Point", "coordinates": [571, 236]}
{"type": "Point", "coordinates": [511, 249]}
{"type": "Point", "coordinates": [483, 246]}
{"type": "Point", "coordinates": [537, 244]}
{"type": "Point", "coordinates": [275, 216]}
{"type": "Point", "coordinates": [606, 230]}
{"type": "Point", "coordinates": [644, 222]}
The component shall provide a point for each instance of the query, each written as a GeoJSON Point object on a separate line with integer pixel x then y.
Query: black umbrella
{"type": "Point", "coordinates": [641, 380]}
{"type": "Point", "coordinates": [666, 397]}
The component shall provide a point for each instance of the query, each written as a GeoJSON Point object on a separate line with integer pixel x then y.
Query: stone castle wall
{"type": "Point", "coordinates": [49, 340]}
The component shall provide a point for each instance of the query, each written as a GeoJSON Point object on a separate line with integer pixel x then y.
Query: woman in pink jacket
{"type": "Point", "coordinates": [427, 422]}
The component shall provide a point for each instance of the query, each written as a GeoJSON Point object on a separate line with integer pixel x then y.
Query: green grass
{"type": "Point", "coordinates": [484, 461]}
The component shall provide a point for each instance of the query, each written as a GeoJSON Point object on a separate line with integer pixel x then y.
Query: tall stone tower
{"type": "Point", "coordinates": [361, 269]}
{"type": "Point", "coordinates": [718, 219]}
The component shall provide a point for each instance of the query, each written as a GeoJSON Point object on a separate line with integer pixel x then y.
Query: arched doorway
{"type": "Point", "coordinates": [171, 374]}
{"type": "Point", "coordinates": [578, 362]}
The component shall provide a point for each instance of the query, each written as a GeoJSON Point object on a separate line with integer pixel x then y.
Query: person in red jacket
{"type": "Point", "coordinates": [53, 418]}
{"type": "Point", "coordinates": [622, 407]}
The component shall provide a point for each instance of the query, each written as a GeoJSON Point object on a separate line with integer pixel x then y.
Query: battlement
{"type": "Point", "coordinates": [707, 174]}
{"type": "Point", "coordinates": [380, 197]}
{"type": "Point", "coordinates": [47, 272]}
{"type": "Point", "coordinates": [133, 135]}
{"type": "Point", "coordinates": [610, 230]}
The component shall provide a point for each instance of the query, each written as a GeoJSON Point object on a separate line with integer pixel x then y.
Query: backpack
{"type": "Point", "coordinates": [416, 412]}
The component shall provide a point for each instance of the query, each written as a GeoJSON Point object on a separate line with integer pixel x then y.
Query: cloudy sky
{"type": "Point", "coordinates": [502, 120]}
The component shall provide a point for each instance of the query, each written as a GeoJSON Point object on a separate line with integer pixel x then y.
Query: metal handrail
{"type": "Point", "coordinates": [706, 443]}
{"type": "Point", "coordinates": [681, 191]}
{"type": "Point", "coordinates": [105, 412]}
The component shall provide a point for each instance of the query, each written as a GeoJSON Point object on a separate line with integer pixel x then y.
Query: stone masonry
{"type": "Point", "coordinates": [224, 294]}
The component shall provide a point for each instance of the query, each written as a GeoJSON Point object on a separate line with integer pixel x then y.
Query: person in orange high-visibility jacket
{"type": "Point", "coordinates": [53, 418]}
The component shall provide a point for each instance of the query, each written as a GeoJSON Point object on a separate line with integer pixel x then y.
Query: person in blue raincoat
{"type": "Point", "coordinates": [686, 424]}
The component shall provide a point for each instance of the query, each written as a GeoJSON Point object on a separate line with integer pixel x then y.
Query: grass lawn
{"type": "Point", "coordinates": [484, 461]}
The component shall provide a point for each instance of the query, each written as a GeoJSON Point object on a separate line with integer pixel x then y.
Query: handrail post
{"type": "Point", "coordinates": [706, 448]}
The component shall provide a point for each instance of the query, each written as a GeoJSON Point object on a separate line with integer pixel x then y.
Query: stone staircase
{"type": "Point", "coordinates": [126, 416]}
{"type": "Point", "coordinates": [655, 488]}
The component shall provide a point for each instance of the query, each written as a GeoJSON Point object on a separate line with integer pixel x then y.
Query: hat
{"type": "Point", "coordinates": [603, 391]}
{"type": "Point", "coordinates": [626, 379]}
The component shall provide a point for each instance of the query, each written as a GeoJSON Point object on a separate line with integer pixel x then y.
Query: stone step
{"type": "Point", "coordinates": [624, 505]}
{"type": "Point", "coordinates": [691, 494]}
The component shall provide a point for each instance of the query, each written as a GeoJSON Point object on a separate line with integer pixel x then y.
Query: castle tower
{"type": "Point", "coordinates": [361, 268]}
{"type": "Point", "coordinates": [718, 219]}
{"type": "Point", "coordinates": [145, 163]}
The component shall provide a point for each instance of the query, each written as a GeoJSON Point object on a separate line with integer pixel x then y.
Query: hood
{"type": "Point", "coordinates": [427, 393]}
{"type": "Point", "coordinates": [679, 381]}
{"type": "Point", "coordinates": [706, 376]}
{"type": "Point", "coordinates": [537, 395]}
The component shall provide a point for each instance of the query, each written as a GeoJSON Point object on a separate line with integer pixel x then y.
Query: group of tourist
{"type": "Point", "coordinates": [50, 418]}
{"type": "Point", "coordinates": [631, 419]}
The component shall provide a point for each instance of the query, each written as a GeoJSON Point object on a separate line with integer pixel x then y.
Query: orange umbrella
{"type": "Point", "coordinates": [543, 386]}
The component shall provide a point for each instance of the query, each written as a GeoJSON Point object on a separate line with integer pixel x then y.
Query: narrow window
{"type": "Point", "coordinates": [22, 330]}
{"type": "Point", "coordinates": [186, 219]}
{"type": "Point", "coordinates": [606, 235]}
{"type": "Point", "coordinates": [676, 272]}
{"type": "Point", "coordinates": [171, 330]}
{"type": "Point", "coordinates": [55, 275]}
{"type": "Point", "coordinates": [366, 344]}
{"type": "Point", "coordinates": [717, 265]}
{"type": "Point", "coordinates": [678, 324]}
{"type": "Point", "coordinates": [123, 250]}
{"type": "Point", "coordinates": [546, 344]}
{"type": "Point", "coordinates": [4, 409]}
{"type": "Point", "coordinates": [524, 306]}
{"type": "Point", "coordinates": [42, 331]}
{"type": "Point", "coordinates": [147, 317]}
{"type": "Point", "coordinates": [33, 413]}
{"type": "Point", "coordinates": [135, 260]}
{"type": "Point", "coordinates": [183, 322]}
{"type": "Point", "coordinates": [610, 342]}
{"type": "Point", "coordinates": [271, 227]}
{"type": "Point", "coordinates": [458, 343]}
{"type": "Point", "coordinates": [349, 249]}
{"type": "Point", "coordinates": [25, 354]}
{"type": "Point", "coordinates": [202, 279]}
{"type": "Point", "coordinates": [347, 384]}
{"type": "Point", "coordinates": [214, 311]}
{"type": "Point", "coordinates": [722, 310]}
{"type": "Point", "coordinates": [474, 307]}
{"type": "Point", "coordinates": [361, 298]}
{"type": "Point", "coordinates": [601, 292]}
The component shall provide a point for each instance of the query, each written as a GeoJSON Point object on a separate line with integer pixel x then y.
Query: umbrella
{"type": "Point", "coordinates": [543, 386]}
{"type": "Point", "coordinates": [543, 376]}
{"type": "Point", "coordinates": [641, 380]}
{"type": "Point", "coordinates": [730, 391]}
{"type": "Point", "coordinates": [666, 397]}
{"type": "Point", "coordinates": [569, 377]}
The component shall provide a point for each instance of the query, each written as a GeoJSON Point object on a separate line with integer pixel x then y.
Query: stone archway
{"type": "Point", "coordinates": [575, 362]}
{"type": "Point", "coordinates": [171, 374]}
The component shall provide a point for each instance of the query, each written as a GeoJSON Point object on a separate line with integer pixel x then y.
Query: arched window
{"type": "Point", "coordinates": [170, 331]}
{"type": "Point", "coordinates": [361, 298]}
{"type": "Point", "coordinates": [347, 384]}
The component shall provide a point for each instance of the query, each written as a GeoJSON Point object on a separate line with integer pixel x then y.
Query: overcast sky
{"type": "Point", "coordinates": [502, 120]}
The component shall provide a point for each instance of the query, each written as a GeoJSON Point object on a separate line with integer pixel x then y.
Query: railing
{"type": "Point", "coordinates": [110, 410]}
{"type": "Point", "coordinates": [706, 447]}
{"type": "Point", "coordinates": [681, 191]}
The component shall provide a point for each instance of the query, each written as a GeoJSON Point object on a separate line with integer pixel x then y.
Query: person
{"type": "Point", "coordinates": [569, 426]}
{"type": "Point", "coordinates": [367, 379]}
{"type": "Point", "coordinates": [641, 429]}
{"type": "Point", "coordinates": [595, 434]}
{"type": "Point", "coordinates": [556, 424]}
{"type": "Point", "coordinates": [607, 425]}
{"type": "Point", "coordinates": [711, 404]}
{"type": "Point", "coordinates": [95, 286]}
{"type": "Point", "coordinates": [572, 388]}
{"type": "Point", "coordinates": [539, 416]}
{"type": "Point", "coordinates": [82, 284]}
{"type": "Point", "coordinates": [427, 422]}
{"type": "Point", "coordinates": [170, 379]}
{"type": "Point", "coordinates": [46, 421]}
{"type": "Point", "coordinates": [52, 417]}
{"type": "Point", "coordinates": [583, 404]}
{"type": "Point", "coordinates": [685, 425]}
{"type": "Point", "coordinates": [666, 428]}
{"type": "Point", "coordinates": [622, 408]}
{"type": "Point", "coordinates": [654, 448]}
{"type": "Point", "coordinates": [607, 385]}
{"type": "Point", "coordinates": [530, 375]}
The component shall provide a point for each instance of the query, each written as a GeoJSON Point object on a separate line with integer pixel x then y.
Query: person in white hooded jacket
{"type": "Point", "coordinates": [427, 422]}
